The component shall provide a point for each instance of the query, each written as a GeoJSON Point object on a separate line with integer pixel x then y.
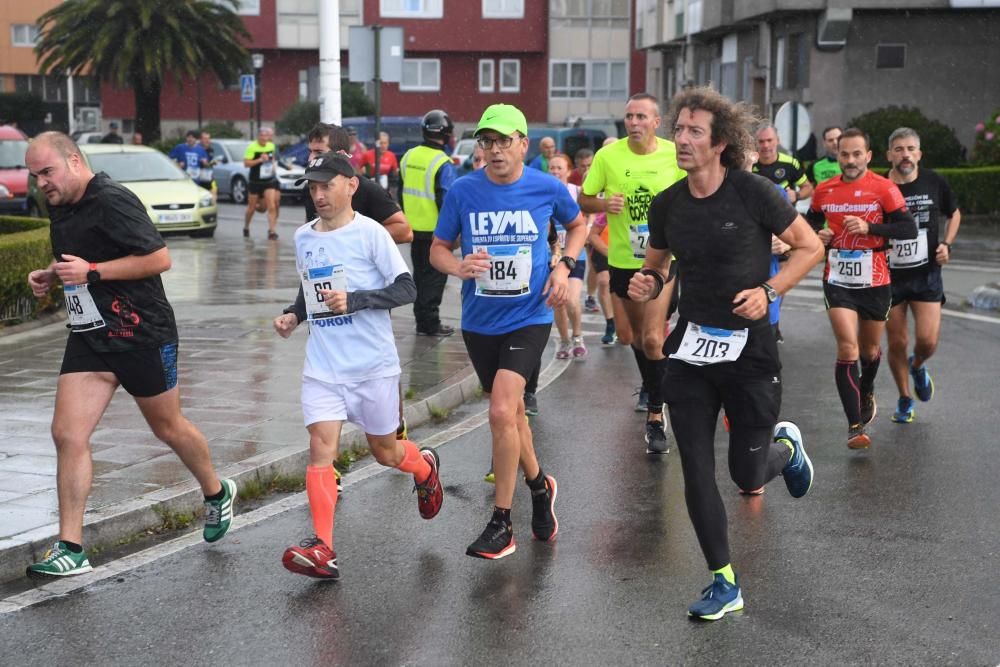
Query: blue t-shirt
{"type": "Point", "coordinates": [190, 157]}
{"type": "Point", "coordinates": [774, 309]}
{"type": "Point", "coordinates": [511, 222]}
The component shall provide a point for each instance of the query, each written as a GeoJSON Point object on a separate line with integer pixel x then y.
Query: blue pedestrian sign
{"type": "Point", "coordinates": [248, 89]}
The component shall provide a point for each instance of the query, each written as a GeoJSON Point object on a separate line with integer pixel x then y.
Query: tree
{"type": "Point", "coordinates": [354, 102]}
{"type": "Point", "coordinates": [136, 43]}
{"type": "Point", "coordinates": [940, 146]}
{"type": "Point", "coordinates": [299, 118]}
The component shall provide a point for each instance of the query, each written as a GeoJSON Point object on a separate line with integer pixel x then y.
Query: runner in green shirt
{"type": "Point", "coordinates": [622, 181]}
{"type": "Point", "coordinates": [263, 191]}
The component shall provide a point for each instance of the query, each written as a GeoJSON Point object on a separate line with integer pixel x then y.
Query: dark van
{"type": "Point", "coordinates": [568, 139]}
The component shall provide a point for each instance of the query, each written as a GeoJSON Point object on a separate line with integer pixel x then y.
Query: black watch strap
{"type": "Point", "coordinates": [568, 261]}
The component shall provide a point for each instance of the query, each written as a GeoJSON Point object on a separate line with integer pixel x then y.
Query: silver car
{"type": "Point", "coordinates": [231, 177]}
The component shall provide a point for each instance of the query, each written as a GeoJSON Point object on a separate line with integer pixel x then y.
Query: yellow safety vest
{"type": "Point", "coordinates": [418, 169]}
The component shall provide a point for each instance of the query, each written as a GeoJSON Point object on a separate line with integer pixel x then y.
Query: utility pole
{"type": "Point", "coordinates": [329, 63]}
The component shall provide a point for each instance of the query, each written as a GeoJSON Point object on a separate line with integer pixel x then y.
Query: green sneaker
{"type": "Point", "coordinates": [59, 561]}
{"type": "Point", "coordinates": [219, 513]}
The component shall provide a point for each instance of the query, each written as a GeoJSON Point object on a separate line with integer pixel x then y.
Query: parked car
{"type": "Point", "coordinates": [88, 137]}
{"type": "Point", "coordinates": [173, 201]}
{"type": "Point", "coordinates": [231, 177]}
{"type": "Point", "coordinates": [13, 173]}
{"type": "Point", "coordinates": [461, 155]}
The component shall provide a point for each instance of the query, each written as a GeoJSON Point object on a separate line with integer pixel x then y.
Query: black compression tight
{"type": "Point", "coordinates": [754, 459]}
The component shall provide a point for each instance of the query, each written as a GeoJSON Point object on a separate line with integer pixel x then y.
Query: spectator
{"type": "Point", "coordinates": [112, 137]}
{"type": "Point", "coordinates": [388, 165]}
{"type": "Point", "coordinates": [357, 154]}
{"type": "Point", "coordinates": [547, 146]}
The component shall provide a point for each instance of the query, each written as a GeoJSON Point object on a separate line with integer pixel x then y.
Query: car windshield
{"type": "Point", "coordinates": [133, 167]}
{"type": "Point", "coordinates": [12, 153]}
{"type": "Point", "coordinates": [237, 149]}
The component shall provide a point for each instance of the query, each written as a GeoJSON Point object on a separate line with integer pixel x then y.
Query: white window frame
{"type": "Point", "coordinates": [17, 39]}
{"type": "Point", "coordinates": [429, 9]}
{"type": "Point", "coordinates": [420, 86]}
{"type": "Point", "coordinates": [501, 13]}
{"type": "Point", "coordinates": [487, 65]}
{"type": "Point", "coordinates": [588, 87]}
{"type": "Point", "coordinates": [569, 88]}
{"type": "Point", "coordinates": [516, 88]}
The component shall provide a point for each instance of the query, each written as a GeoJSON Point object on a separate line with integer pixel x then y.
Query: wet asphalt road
{"type": "Point", "coordinates": [890, 559]}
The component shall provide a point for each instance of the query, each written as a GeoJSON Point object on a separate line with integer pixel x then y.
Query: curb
{"type": "Point", "coordinates": [139, 514]}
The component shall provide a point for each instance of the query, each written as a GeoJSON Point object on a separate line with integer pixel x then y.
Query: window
{"type": "Point", "coordinates": [411, 9]}
{"type": "Point", "coordinates": [890, 56]}
{"type": "Point", "coordinates": [246, 8]}
{"type": "Point", "coordinates": [486, 76]}
{"type": "Point", "coordinates": [593, 79]}
{"type": "Point", "coordinates": [568, 79]}
{"type": "Point", "coordinates": [421, 74]}
{"type": "Point", "coordinates": [608, 80]}
{"type": "Point", "coordinates": [23, 34]}
{"type": "Point", "coordinates": [503, 9]}
{"type": "Point", "coordinates": [510, 76]}
{"type": "Point", "coordinates": [728, 72]}
{"type": "Point", "coordinates": [779, 63]}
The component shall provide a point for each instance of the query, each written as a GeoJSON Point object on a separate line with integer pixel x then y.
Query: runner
{"type": "Point", "coordinates": [353, 274]}
{"type": "Point", "coordinates": [718, 222]}
{"type": "Point", "coordinates": [779, 167]}
{"type": "Point", "coordinates": [569, 316]}
{"type": "Point", "coordinates": [916, 270]}
{"type": "Point", "coordinates": [862, 211]}
{"type": "Point", "coordinates": [629, 173]}
{"type": "Point", "coordinates": [109, 258]}
{"type": "Point", "coordinates": [263, 190]}
{"type": "Point", "coordinates": [827, 166]}
{"type": "Point", "coordinates": [616, 327]}
{"type": "Point", "coordinates": [501, 213]}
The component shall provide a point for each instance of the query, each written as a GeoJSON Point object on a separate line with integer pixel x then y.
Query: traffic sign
{"type": "Point", "coordinates": [793, 125]}
{"type": "Point", "coordinates": [248, 88]}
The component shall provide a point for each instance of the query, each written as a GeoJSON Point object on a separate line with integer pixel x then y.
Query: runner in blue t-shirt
{"type": "Point", "coordinates": [190, 156]}
{"type": "Point", "coordinates": [502, 213]}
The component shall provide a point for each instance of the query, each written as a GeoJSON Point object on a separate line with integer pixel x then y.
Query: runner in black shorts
{"type": "Point", "coordinates": [109, 258]}
{"type": "Point", "coordinates": [502, 214]}
{"type": "Point", "coordinates": [598, 240]}
{"type": "Point", "coordinates": [722, 354]}
{"type": "Point", "coordinates": [915, 267]}
{"type": "Point", "coordinates": [263, 190]}
{"type": "Point", "coordinates": [862, 211]}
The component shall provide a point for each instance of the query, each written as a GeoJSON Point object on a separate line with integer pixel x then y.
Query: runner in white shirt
{"type": "Point", "coordinates": [352, 274]}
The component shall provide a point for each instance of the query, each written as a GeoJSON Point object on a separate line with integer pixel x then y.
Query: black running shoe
{"type": "Point", "coordinates": [530, 404]}
{"type": "Point", "coordinates": [496, 542]}
{"type": "Point", "coordinates": [868, 408]}
{"type": "Point", "coordinates": [544, 524]}
{"type": "Point", "coordinates": [656, 438]}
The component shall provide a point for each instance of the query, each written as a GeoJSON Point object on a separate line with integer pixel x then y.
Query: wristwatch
{"type": "Point", "coordinates": [568, 261]}
{"type": "Point", "coordinates": [770, 292]}
{"type": "Point", "coordinates": [93, 275]}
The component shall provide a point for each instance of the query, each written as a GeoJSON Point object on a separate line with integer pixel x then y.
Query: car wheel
{"type": "Point", "coordinates": [203, 233]}
{"type": "Point", "coordinates": [33, 210]}
{"type": "Point", "coordinates": [238, 190]}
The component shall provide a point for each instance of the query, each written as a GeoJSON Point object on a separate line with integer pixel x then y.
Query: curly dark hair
{"type": "Point", "coordinates": [732, 122]}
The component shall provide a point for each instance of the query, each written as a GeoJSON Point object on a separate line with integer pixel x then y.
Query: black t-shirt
{"type": "Point", "coordinates": [722, 243]}
{"type": "Point", "coordinates": [108, 223]}
{"type": "Point", "coordinates": [928, 199]}
{"type": "Point", "coordinates": [370, 200]}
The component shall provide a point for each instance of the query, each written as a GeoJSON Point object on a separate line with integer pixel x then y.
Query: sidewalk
{"type": "Point", "coordinates": [239, 384]}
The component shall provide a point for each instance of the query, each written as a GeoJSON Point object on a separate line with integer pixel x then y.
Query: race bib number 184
{"type": "Point", "coordinates": [510, 271]}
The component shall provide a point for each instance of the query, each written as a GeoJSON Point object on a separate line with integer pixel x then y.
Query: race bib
{"type": "Point", "coordinates": [193, 172]}
{"type": "Point", "coordinates": [82, 311]}
{"type": "Point", "coordinates": [266, 170]}
{"type": "Point", "coordinates": [905, 254]}
{"type": "Point", "coordinates": [850, 268]}
{"type": "Point", "coordinates": [639, 235]}
{"type": "Point", "coordinates": [702, 346]}
{"type": "Point", "coordinates": [510, 271]}
{"type": "Point", "coordinates": [561, 237]}
{"type": "Point", "coordinates": [204, 175]}
{"type": "Point", "coordinates": [332, 277]}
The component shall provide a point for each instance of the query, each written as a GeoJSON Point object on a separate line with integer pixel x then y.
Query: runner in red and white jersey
{"type": "Point", "coordinates": [855, 215]}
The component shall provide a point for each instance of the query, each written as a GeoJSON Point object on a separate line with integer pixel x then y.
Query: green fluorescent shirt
{"type": "Point", "coordinates": [617, 170]}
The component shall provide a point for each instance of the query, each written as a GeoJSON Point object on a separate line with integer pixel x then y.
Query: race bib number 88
{"type": "Point", "coordinates": [314, 281]}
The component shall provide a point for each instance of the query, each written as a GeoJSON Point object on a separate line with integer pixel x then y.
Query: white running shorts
{"type": "Point", "coordinates": [372, 405]}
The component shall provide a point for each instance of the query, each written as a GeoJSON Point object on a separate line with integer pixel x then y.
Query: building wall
{"type": "Point", "coordinates": [18, 59]}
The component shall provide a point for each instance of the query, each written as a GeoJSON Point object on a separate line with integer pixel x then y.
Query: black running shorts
{"type": "Point", "coordinates": [519, 350]}
{"type": "Point", "coordinates": [870, 303]}
{"type": "Point", "coordinates": [256, 188]}
{"type": "Point", "coordinates": [920, 286]}
{"type": "Point", "coordinates": [142, 373]}
{"type": "Point", "coordinates": [619, 281]}
{"type": "Point", "coordinates": [598, 261]}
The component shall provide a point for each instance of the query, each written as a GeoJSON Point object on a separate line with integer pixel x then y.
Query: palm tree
{"type": "Point", "coordinates": [135, 43]}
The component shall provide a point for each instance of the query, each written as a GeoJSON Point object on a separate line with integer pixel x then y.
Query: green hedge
{"type": "Point", "coordinates": [24, 247]}
{"type": "Point", "coordinates": [977, 189]}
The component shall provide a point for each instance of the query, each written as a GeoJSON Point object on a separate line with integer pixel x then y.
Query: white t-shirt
{"type": "Point", "coordinates": [355, 346]}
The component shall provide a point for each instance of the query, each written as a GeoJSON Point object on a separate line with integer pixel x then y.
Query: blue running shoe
{"type": "Point", "coordinates": [798, 472]}
{"type": "Point", "coordinates": [717, 600]}
{"type": "Point", "coordinates": [904, 411]}
{"type": "Point", "coordinates": [923, 385]}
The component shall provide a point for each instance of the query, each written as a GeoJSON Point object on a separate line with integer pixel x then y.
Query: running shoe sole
{"type": "Point", "coordinates": [796, 434]}
{"type": "Point", "coordinates": [860, 441]}
{"type": "Point", "coordinates": [506, 551]}
{"type": "Point", "coordinates": [901, 418]}
{"type": "Point", "coordinates": [299, 564]}
{"type": "Point", "coordinates": [42, 576]}
{"type": "Point", "coordinates": [735, 605]}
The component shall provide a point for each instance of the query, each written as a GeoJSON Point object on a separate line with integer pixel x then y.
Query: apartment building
{"type": "Point", "coordinates": [840, 58]}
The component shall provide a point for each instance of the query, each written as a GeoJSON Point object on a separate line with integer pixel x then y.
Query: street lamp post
{"type": "Point", "coordinates": [258, 65]}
